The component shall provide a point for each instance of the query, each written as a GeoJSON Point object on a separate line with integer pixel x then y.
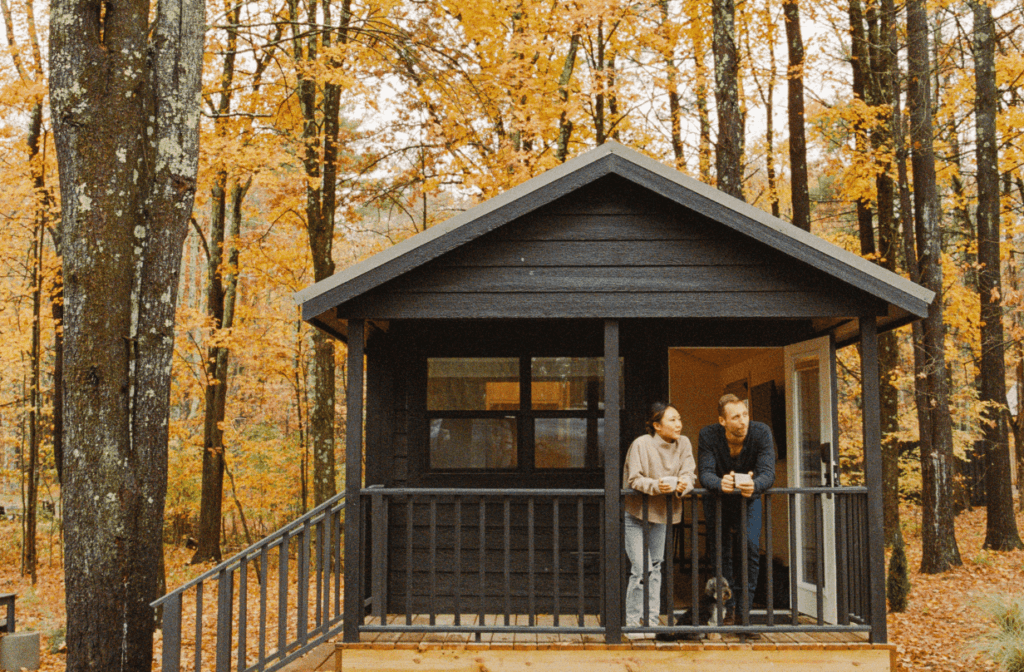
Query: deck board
{"type": "Point", "coordinates": [544, 640]}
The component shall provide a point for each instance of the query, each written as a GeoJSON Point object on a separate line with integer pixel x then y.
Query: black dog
{"type": "Point", "coordinates": [706, 611]}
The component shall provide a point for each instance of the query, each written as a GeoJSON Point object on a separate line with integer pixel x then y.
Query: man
{"type": "Point", "coordinates": [733, 447]}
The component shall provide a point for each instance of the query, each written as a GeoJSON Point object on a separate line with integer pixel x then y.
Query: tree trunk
{"type": "Point", "coordinates": [320, 163]}
{"type": "Point", "coordinates": [861, 64]}
{"type": "Point", "coordinates": [34, 419]}
{"type": "Point", "coordinates": [215, 392]}
{"type": "Point", "coordinates": [797, 141]}
{"type": "Point", "coordinates": [884, 86]}
{"type": "Point", "coordinates": [729, 149]}
{"type": "Point", "coordinates": [1001, 526]}
{"type": "Point", "coordinates": [564, 122]}
{"type": "Point", "coordinates": [124, 98]}
{"type": "Point", "coordinates": [672, 89]}
{"type": "Point", "coordinates": [939, 548]}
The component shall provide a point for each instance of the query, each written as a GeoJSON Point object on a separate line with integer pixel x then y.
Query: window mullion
{"type": "Point", "coordinates": [526, 444]}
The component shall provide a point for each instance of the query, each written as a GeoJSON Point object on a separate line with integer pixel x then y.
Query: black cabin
{"type": "Point", "coordinates": [509, 355]}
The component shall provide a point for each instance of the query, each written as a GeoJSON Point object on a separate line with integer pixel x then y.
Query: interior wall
{"type": "Point", "coordinates": [699, 376]}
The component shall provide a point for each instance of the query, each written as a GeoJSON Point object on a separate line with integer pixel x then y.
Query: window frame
{"type": "Point", "coordinates": [525, 418]}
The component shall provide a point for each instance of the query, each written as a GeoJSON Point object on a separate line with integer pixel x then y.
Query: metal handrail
{"type": "Point", "coordinates": [267, 541]}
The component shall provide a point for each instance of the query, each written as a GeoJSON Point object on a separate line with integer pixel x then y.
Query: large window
{"type": "Point", "coordinates": [523, 414]}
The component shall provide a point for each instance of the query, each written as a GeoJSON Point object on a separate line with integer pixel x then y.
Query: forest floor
{"type": "Point", "coordinates": [939, 630]}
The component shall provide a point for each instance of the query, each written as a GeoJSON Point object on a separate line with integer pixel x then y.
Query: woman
{"type": "Point", "coordinates": [658, 463]}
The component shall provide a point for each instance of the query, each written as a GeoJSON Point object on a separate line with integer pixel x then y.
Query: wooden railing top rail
{"type": "Point", "coordinates": [587, 492]}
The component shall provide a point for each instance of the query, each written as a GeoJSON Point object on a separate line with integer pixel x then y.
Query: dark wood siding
{"type": "Point", "coordinates": [612, 250]}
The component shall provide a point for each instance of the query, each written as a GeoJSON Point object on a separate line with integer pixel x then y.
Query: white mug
{"type": "Point", "coordinates": [670, 481]}
{"type": "Point", "coordinates": [743, 479]}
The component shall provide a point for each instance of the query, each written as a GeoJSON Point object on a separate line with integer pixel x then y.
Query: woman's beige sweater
{"type": "Point", "coordinates": [649, 458]}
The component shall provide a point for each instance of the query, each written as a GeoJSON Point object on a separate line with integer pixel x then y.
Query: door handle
{"type": "Point", "coordinates": [826, 457]}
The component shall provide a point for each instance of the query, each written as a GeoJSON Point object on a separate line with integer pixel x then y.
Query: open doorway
{"type": "Point", "coordinates": [697, 378]}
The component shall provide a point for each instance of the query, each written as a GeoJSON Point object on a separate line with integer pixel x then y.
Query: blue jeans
{"type": "Point", "coordinates": [731, 522]}
{"type": "Point", "coordinates": [634, 541]}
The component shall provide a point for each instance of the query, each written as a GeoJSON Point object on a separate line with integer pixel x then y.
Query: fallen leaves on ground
{"type": "Point", "coordinates": [942, 623]}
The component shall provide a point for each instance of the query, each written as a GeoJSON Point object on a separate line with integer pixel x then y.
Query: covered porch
{"type": "Point", "coordinates": [507, 357]}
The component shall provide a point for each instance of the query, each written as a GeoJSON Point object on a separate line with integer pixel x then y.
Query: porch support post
{"type": "Point", "coordinates": [612, 485]}
{"type": "Point", "coordinates": [873, 475]}
{"type": "Point", "coordinates": [353, 480]}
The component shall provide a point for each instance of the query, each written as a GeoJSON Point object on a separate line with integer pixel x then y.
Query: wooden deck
{"type": "Point", "coordinates": [545, 652]}
{"type": "Point", "coordinates": [429, 652]}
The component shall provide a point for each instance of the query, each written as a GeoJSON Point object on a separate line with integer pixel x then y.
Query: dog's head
{"type": "Point", "coordinates": [711, 589]}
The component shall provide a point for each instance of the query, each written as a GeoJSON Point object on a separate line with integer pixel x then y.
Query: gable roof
{"type": "Point", "coordinates": [907, 300]}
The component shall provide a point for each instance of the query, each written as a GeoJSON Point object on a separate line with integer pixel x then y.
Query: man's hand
{"type": "Point", "coordinates": [729, 482]}
{"type": "Point", "coordinates": [684, 487]}
{"type": "Point", "coordinates": [747, 486]}
{"type": "Point", "coordinates": [664, 488]}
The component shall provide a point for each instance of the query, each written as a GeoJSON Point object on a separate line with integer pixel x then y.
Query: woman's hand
{"type": "Point", "coordinates": [684, 487]}
{"type": "Point", "coordinates": [664, 488]}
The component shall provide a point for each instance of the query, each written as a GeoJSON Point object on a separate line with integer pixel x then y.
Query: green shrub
{"type": "Point", "coordinates": [897, 584]}
{"type": "Point", "coordinates": [1005, 643]}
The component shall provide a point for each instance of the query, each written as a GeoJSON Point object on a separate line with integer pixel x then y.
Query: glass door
{"type": "Point", "coordinates": [810, 368]}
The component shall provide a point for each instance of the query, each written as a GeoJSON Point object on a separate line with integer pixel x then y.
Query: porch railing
{"type": "Point", "coordinates": [483, 556]}
{"type": "Point", "coordinates": [298, 567]}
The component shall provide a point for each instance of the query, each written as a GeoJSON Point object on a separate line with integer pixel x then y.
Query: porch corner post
{"type": "Point", "coordinates": [612, 485]}
{"type": "Point", "coordinates": [353, 480]}
{"type": "Point", "coordinates": [873, 475]}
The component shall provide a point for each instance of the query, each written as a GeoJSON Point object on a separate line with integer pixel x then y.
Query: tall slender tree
{"type": "Point", "coordinates": [1001, 526]}
{"type": "Point", "coordinates": [125, 99]}
{"type": "Point", "coordinates": [801, 197]}
{"type": "Point", "coordinates": [939, 548]}
{"type": "Point", "coordinates": [729, 149]}
{"type": "Point", "coordinates": [218, 293]}
{"type": "Point", "coordinates": [321, 116]}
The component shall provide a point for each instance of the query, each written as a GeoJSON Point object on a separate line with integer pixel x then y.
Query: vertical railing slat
{"type": "Point", "coordinates": [408, 560]}
{"type": "Point", "coordinates": [842, 574]}
{"type": "Point", "coordinates": [646, 537]}
{"type": "Point", "coordinates": [458, 560]}
{"type": "Point", "coordinates": [282, 598]}
{"type": "Point", "coordinates": [170, 660]}
{"type": "Point", "coordinates": [766, 512]}
{"type": "Point", "coordinates": [508, 559]}
{"type": "Point", "coordinates": [318, 611]}
{"type": "Point", "coordinates": [555, 568]}
{"type": "Point", "coordinates": [225, 597]}
{"type": "Point", "coordinates": [302, 578]}
{"type": "Point", "coordinates": [199, 627]}
{"type": "Point", "coordinates": [433, 560]}
{"type": "Point", "coordinates": [264, 580]}
{"type": "Point", "coordinates": [719, 597]}
{"type": "Point", "coordinates": [531, 605]}
{"type": "Point", "coordinates": [580, 559]}
{"type": "Point", "coordinates": [695, 561]}
{"type": "Point", "coordinates": [819, 539]}
{"type": "Point", "coordinates": [378, 560]}
{"type": "Point", "coordinates": [481, 556]}
{"type": "Point", "coordinates": [668, 565]}
{"type": "Point", "coordinates": [243, 610]}
{"type": "Point", "coordinates": [793, 569]}
{"type": "Point", "coordinates": [744, 600]}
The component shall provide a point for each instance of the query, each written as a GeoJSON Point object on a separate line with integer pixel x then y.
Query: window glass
{"type": "Point", "coordinates": [473, 384]}
{"type": "Point", "coordinates": [473, 443]}
{"type": "Point", "coordinates": [569, 383]}
{"type": "Point", "coordinates": [568, 443]}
